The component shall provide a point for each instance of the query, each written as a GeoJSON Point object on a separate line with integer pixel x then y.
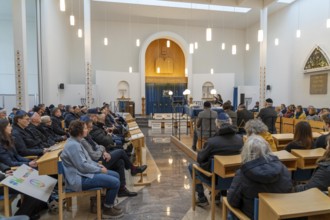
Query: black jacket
{"type": "Point", "coordinates": [57, 125]}
{"type": "Point", "coordinates": [225, 142]}
{"type": "Point", "coordinates": [243, 116]}
{"type": "Point", "coordinates": [25, 143]}
{"type": "Point", "coordinates": [52, 138]}
{"type": "Point", "coordinates": [69, 116]}
{"type": "Point", "coordinates": [11, 158]}
{"type": "Point", "coordinates": [268, 116]}
{"type": "Point", "coordinates": [320, 178]}
{"type": "Point", "coordinates": [38, 135]}
{"type": "Point", "coordinates": [257, 176]}
{"type": "Point", "coordinates": [100, 136]}
{"type": "Point", "coordinates": [321, 141]}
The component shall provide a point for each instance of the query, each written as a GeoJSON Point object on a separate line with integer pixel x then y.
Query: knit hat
{"type": "Point", "coordinates": [20, 113]}
{"type": "Point", "coordinates": [85, 118]}
{"type": "Point", "coordinates": [269, 100]}
{"type": "Point", "coordinates": [223, 117]}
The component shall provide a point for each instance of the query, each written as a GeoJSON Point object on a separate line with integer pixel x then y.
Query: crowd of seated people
{"type": "Point", "coordinates": [96, 152]}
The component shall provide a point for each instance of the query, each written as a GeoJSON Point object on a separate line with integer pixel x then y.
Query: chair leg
{"type": "Point", "coordinates": [98, 198]}
{"type": "Point", "coordinates": [68, 203]}
{"type": "Point", "coordinates": [60, 207]}
{"type": "Point", "coordinates": [224, 211]}
{"type": "Point", "coordinates": [193, 204]}
{"type": "Point", "coordinates": [213, 198]}
{"type": "Point", "coordinates": [7, 201]}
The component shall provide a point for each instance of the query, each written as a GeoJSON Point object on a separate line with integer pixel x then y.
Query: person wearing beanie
{"type": "Point", "coordinates": [268, 115]}
{"type": "Point", "coordinates": [224, 142]}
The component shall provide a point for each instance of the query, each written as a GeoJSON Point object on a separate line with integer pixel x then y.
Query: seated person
{"type": "Point", "coordinates": [255, 108]}
{"type": "Point", "coordinates": [36, 131]}
{"type": "Point", "coordinates": [312, 114]}
{"type": "Point", "coordinates": [257, 127]}
{"type": "Point", "coordinates": [24, 141]}
{"type": "Point", "coordinates": [283, 109]}
{"type": "Point", "coordinates": [243, 116]}
{"type": "Point", "coordinates": [224, 142]}
{"type": "Point", "coordinates": [321, 176]}
{"type": "Point", "coordinates": [233, 115]}
{"type": "Point", "coordinates": [57, 122]}
{"type": "Point", "coordinates": [82, 173]}
{"type": "Point", "coordinates": [289, 112]}
{"type": "Point", "coordinates": [70, 115]}
{"type": "Point", "coordinates": [322, 140]}
{"type": "Point", "coordinates": [205, 125]}
{"type": "Point", "coordinates": [47, 130]}
{"type": "Point", "coordinates": [116, 160]}
{"type": "Point", "coordinates": [261, 172]}
{"type": "Point", "coordinates": [12, 115]}
{"type": "Point", "coordinates": [3, 113]}
{"type": "Point", "coordinates": [299, 113]}
{"type": "Point", "coordinates": [302, 138]}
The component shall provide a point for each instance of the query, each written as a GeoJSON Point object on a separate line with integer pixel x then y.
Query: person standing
{"type": "Point", "coordinates": [268, 116]}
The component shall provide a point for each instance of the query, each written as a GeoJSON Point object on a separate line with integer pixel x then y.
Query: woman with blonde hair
{"type": "Point", "coordinates": [257, 127]}
{"type": "Point", "coordinates": [261, 171]}
{"type": "Point", "coordinates": [321, 175]}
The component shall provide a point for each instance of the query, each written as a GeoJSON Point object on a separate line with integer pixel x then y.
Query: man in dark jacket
{"type": "Point", "coordinates": [225, 142]}
{"type": "Point", "coordinates": [26, 144]}
{"type": "Point", "coordinates": [70, 115]}
{"type": "Point", "coordinates": [243, 116]}
{"type": "Point", "coordinates": [268, 116]}
{"type": "Point", "coordinates": [57, 120]}
{"type": "Point", "coordinates": [47, 130]}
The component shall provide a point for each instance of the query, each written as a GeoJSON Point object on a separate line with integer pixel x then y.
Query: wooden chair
{"type": "Point", "coordinates": [217, 184]}
{"type": "Point", "coordinates": [237, 212]}
{"type": "Point", "coordinates": [6, 200]}
{"type": "Point", "coordinates": [63, 194]}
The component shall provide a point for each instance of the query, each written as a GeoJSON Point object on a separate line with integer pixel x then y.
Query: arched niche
{"type": "Point", "coordinates": [206, 89]}
{"type": "Point", "coordinates": [123, 90]}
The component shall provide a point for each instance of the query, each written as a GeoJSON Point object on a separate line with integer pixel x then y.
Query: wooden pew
{"type": "Point", "coordinates": [287, 125]}
{"type": "Point", "coordinates": [317, 126]}
{"type": "Point", "coordinates": [312, 203]}
{"type": "Point", "coordinates": [307, 158]}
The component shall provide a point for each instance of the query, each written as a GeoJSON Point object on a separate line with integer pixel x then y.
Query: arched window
{"type": "Point", "coordinates": [123, 90]}
{"type": "Point", "coordinates": [207, 87]}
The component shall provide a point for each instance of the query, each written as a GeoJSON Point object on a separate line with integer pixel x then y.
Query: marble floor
{"type": "Point", "coordinates": [168, 196]}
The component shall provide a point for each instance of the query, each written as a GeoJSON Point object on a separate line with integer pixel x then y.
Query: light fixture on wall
{"type": "Point", "coordinates": [233, 49]}
{"type": "Point", "coordinates": [105, 39]}
{"type": "Point", "coordinates": [191, 48]}
{"type": "Point", "coordinates": [260, 35]}
{"type": "Point", "coordinates": [72, 16]}
{"type": "Point", "coordinates": [212, 71]}
{"type": "Point", "coordinates": [298, 32]}
{"type": "Point", "coordinates": [328, 20]}
{"type": "Point", "coordinates": [186, 72]}
{"type": "Point", "coordinates": [80, 33]}
{"type": "Point", "coordinates": [247, 45]}
{"type": "Point", "coordinates": [130, 69]}
{"type": "Point", "coordinates": [213, 91]}
{"type": "Point", "coordinates": [196, 45]}
{"type": "Point", "coordinates": [223, 46]}
{"type": "Point", "coordinates": [209, 29]}
{"type": "Point", "coordinates": [62, 5]}
{"type": "Point", "coordinates": [168, 43]}
{"type": "Point", "coordinates": [276, 42]}
{"type": "Point", "coordinates": [138, 42]}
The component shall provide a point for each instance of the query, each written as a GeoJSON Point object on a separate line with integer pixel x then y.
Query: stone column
{"type": "Point", "coordinates": [88, 53]}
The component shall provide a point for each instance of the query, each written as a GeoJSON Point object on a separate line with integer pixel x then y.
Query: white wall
{"type": "Point", "coordinates": [72, 94]}
{"type": "Point", "coordinates": [250, 92]}
{"type": "Point", "coordinates": [223, 82]}
{"type": "Point", "coordinates": [56, 50]}
{"type": "Point", "coordinates": [107, 87]}
{"type": "Point", "coordinates": [285, 62]}
{"type": "Point", "coordinates": [122, 52]}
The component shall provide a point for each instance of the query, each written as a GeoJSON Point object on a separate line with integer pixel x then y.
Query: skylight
{"type": "Point", "coordinates": [172, 4]}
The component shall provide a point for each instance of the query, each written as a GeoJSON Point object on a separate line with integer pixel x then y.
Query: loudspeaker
{"type": "Point", "coordinates": [268, 87]}
{"type": "Point", "coordinates": [242, 98]}
{"type": "Point", "coordinates": [61, 86]}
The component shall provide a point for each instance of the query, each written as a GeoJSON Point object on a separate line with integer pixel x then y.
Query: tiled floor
{"type": "Point", "coordinates": [168, 196]}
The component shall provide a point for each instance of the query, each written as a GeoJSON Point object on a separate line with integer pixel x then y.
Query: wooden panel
{"type": "Point", "coordinates": [287, 125]}
{"type": "Point", "coordinates": [317, 126]}
{"type": "Point", "coordinates": [158, 50]}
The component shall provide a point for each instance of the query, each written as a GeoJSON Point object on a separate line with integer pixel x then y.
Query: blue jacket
{"type": "Point", "coordinates": [11, 158]}
{"type": "Point", "coordinates": [257, 176]}
{"type": "Point", "coordinates": [77, 163]}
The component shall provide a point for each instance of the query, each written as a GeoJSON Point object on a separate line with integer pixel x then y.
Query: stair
{"type": "Point", "coordinates": [142, 120]}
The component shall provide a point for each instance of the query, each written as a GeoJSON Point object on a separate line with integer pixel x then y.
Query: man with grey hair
{"type": "Point", "coordinates": [268, 116]}
{"type": "Point", "coordinates": [224, 142]}
{"type": "Point", "coordinates": [3, 113]}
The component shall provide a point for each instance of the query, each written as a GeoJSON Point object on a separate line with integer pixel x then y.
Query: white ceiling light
{"type": "Point", "coordinates": [130, 69]}
{"type": "Point", "coordinates": [137, 42]}
{"type": "Point", "coordinates": [247, 47]}
{"type": "Point", "coordinates": [298, 33]}
{"type": "Point", "coordinates": [173, 4]}
{"type": "Point", "coordinates": [285, 1]}
{"type": "Point", "coordinates": [223, 46]}
{"type": "Point", "coordinates": [72, 20]}
{"type": "Point", "coordinates": [208, 34]}
{"type": "Point", "coordinates": [233, 50]}
{"type": "Point", "coordinates": [62, 5]}
{"type": "Point", "coordinates": [196, 45]}
{"type": "Point", "coordinates": [212, 71]}
{"type": "Point", "coordinates": [260, 35]}
{"type": "Point", "coordinates": [191, 48]}
{"type": "Point", "coordinates": [276, 42]}
{"type": "Point", "coordinates": [105, 41]}
{"type": "Point", "coordinates": [80, 34]}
